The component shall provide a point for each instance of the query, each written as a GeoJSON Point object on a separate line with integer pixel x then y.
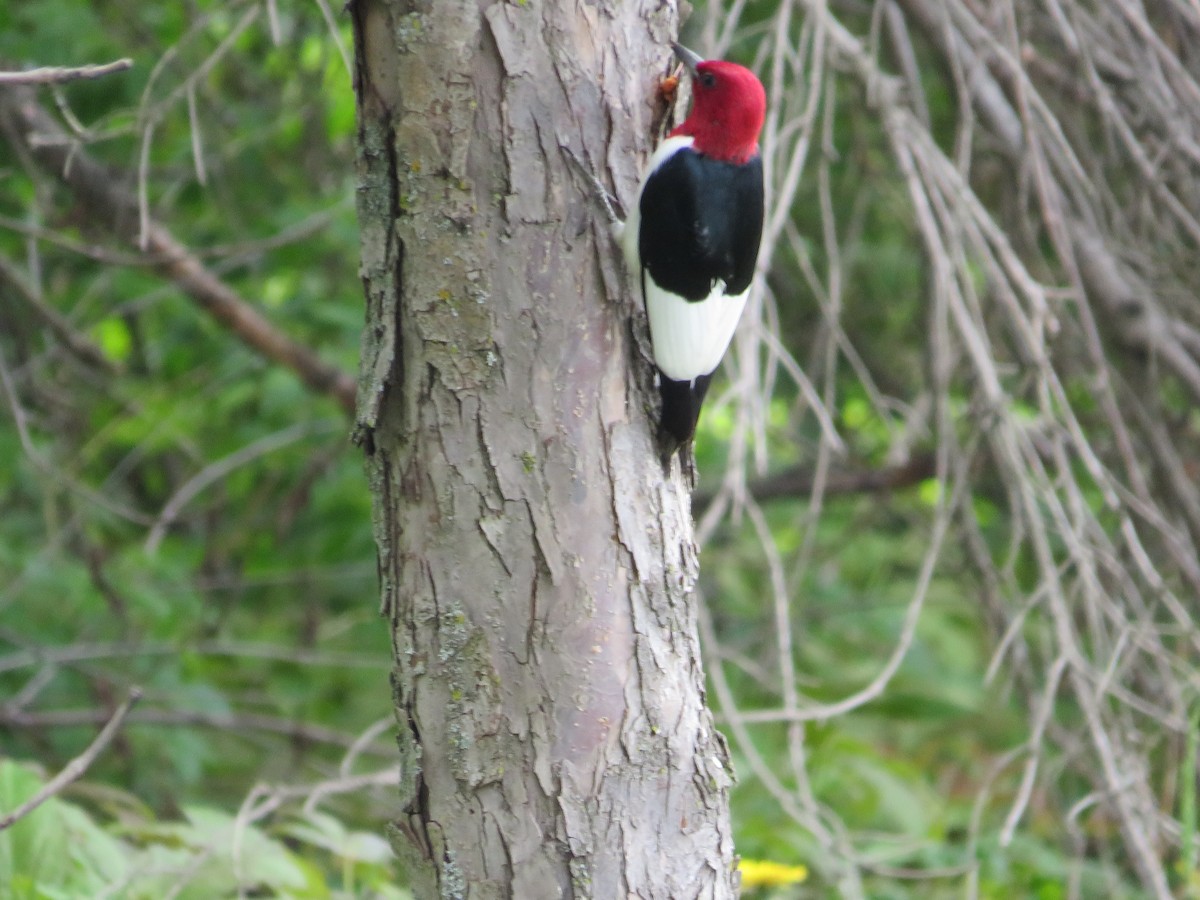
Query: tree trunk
{"type": "Point", "coordinates": [535, 563]}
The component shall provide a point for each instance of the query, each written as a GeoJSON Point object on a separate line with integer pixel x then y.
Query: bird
{"type": "Point", "coordinates": [692, 237]}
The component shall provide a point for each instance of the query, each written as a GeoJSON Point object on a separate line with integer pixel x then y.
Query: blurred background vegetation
{"type": "Point", "coordinates": [181, 513]}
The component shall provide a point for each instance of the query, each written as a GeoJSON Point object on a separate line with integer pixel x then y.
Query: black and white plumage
{"type": "Point", "coordinates": [692, 238]}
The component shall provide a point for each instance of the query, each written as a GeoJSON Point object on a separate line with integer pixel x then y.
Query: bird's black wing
{"type": "Point", "coordinates": [701, 222]}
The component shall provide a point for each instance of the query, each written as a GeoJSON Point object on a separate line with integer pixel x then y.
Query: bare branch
{"type": "Point", "coordinates": [78, 344]}
{"type": "Point", "coordinates": [76, 767]}
{"type": "Point", "coordinates": [116, 210]}
{"type": "Point", "coordinates": [799, 481]}
{"type": "Point", "coordinates": [76, 653]}
{"type": "Point", "coordinates": [219, 469]}
{"type": "Point", "coordinates": [59, 75]}
{"type": "Point", "coordinates": [48, 467]}
{"type": "Point", "coordinates": [234, 723]}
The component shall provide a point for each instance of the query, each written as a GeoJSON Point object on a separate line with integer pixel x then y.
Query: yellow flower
{"type": "Point", "coordinates": [764, 873]}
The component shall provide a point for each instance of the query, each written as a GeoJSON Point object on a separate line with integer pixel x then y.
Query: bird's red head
{"type": "Point", "coordinates": [728, 108]}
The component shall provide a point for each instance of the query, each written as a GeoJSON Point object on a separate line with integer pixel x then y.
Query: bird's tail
{"type": "Point", "coordinates": [681, 402]}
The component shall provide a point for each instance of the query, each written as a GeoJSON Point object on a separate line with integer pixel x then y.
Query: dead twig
{"type": "Point", "coordinates": [115, 209]}
{"type": "Point", "coordinates": [73, 770]}
{"type": "Point", "coordinates": [61, 75]}
{"type": "Point", "coordinates": [240, 724]}
{"type": "Point", "coordinates": [78, 344]}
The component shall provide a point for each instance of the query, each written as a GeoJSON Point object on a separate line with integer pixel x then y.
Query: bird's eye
{"type": "Point", "coordinates": [708, 79]}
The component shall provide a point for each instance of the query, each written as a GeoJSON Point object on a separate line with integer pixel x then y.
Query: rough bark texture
{"type": "Point", "coordinates": [536, 564]}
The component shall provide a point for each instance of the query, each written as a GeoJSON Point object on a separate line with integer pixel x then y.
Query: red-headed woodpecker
{"type": "Point", "coordinates": [692, 237]}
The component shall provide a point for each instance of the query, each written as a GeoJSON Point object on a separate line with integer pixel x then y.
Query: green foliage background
{"type": "Point", "coordinates": [252, 627]}
{"type": "Point", "coordinates": [257, 613]}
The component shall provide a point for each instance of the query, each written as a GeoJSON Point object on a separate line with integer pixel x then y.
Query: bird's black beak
{"type": "Point", "coordinates": [687, 57]}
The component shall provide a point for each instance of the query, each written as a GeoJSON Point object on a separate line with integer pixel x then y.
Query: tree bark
{"type": "Point", "coordinates": [535, 563]}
